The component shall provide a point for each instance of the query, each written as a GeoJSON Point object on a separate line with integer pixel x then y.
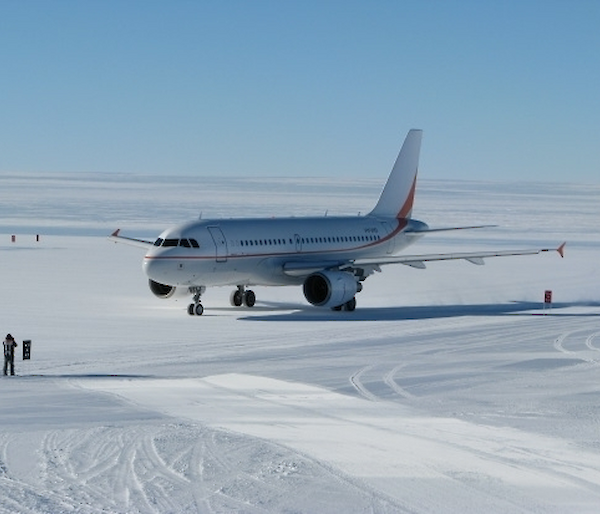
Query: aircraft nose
{"type": "Point", "coordinates": [154, 268]}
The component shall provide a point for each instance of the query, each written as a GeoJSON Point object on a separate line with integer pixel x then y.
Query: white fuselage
{"type": "Point", "coordinates": [329, 256]}
{"type": "Point", "coordinates": [264, 251]}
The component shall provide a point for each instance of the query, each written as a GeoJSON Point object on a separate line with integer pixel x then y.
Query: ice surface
{"type": "Point", "coordinates": [447, 390]}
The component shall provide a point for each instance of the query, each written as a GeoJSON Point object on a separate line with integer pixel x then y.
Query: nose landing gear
{"type": "Point", "coordinates": [196, 308]}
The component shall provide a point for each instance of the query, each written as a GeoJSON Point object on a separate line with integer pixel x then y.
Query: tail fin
{"type": "Point", "coordinates": [396, 200]}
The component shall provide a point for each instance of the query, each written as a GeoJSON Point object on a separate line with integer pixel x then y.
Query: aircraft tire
{"type": "Point", "coordinates": [191, 309]}
{"type": "Point", "coordinates": [198, 309]}
{"type": "Point", "coordinates": [249, 298]}
{"type": "Point", "coordinates": [350, 305]}
{"type": "Point", "coordinates": [237, 298]}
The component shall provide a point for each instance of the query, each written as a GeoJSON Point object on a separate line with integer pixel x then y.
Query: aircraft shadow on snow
{"type": "Point", "coordinates": [94, 376]}
{"type": "Point", "coordinates": [420, 312]}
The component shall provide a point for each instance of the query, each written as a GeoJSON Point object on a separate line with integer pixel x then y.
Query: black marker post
{"type": "Point", "coordinates": [26, 350]}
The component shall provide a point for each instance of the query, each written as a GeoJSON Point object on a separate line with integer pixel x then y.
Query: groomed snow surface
{"type": "Point", "coordinates": [447, 390]}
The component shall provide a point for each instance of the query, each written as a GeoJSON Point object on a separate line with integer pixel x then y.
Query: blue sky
{"type": "Point", "coordinates": [504, 90]}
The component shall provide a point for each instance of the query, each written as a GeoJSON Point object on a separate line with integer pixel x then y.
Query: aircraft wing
{"type": "Point", "coordinates": [304, 268]}
{"type": "Point", "coordinates": [418, 261]}
{"type": "Point", "coordinates": [129, 240]}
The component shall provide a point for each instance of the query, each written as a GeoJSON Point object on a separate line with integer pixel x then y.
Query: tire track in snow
{"type": "Point", "coordinates": [229, 467]}
{"type": "Point", "coordinates": [590, 338]}
{"type": "Point", "coordinates": [172, 467]}
{"type": "Point", "coordinates": [559, 345]}
{"type": "Point", "coordinates": [389, 380]}
{"type": "Point", "coordinates": [143, 475]}
{"type": "Point", "coordinates": [118, 469]}
{"type": "Point", "coordinates": [26, 498]}
{"type": "Point", "coordinates": [200, 491]}
{"type": "Point", "coordinates": [356, 382]}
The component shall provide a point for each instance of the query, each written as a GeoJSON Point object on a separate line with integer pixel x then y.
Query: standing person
{"type": "Point", "coordinates": [9, 354]}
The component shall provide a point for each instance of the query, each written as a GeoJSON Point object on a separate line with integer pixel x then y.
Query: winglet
{"type": "Point", "coordinates": [561, 250]}
{"type": "Point", "coordinates": [118, 238]}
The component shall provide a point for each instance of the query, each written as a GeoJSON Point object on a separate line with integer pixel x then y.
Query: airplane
{"type": "Point", "coordinates": [330, 257]}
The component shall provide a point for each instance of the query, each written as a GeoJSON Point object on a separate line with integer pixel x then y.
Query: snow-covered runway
{"type": "Point", "coordinates": [446, 390]}
{"type": "Point", "coordinates": [395, 450]}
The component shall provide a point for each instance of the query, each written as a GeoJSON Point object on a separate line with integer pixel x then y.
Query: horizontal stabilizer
{"type": "Point", "coordinates": [427, 230]}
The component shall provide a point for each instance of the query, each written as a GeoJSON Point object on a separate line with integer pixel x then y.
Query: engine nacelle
{"type": "Point", "coordinates": [330, 288]}
{"type": "Point", "coordinates": [161, 290]}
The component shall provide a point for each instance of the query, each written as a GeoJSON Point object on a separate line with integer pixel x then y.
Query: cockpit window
{"type": "Point", "coordinates": [186, 243]}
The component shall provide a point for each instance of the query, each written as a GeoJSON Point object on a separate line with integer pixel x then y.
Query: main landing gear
{"type": "Point", "coordinates": [241, 297]}
{"type": "Point", "coordinates": [349, 306]}
{"type": "Point", "coordinates": [196, 308]}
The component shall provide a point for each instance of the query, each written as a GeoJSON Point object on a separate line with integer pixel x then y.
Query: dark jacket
{"type": "Point", "coordinates": [9, 348]}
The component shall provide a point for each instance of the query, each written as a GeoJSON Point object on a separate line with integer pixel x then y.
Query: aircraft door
{"type": "Point", "coordinates": [220, 243]}
{"type": "Point", "coordinates": [298, 242]}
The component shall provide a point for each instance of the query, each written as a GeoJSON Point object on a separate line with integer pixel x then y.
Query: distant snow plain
{"type": "Point", "coordinates": [447, 390]}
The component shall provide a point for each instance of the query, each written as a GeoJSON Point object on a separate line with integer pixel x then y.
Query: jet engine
{"type": "Point", "coordinates": [161, 290]}
{"type": "Point", "coordinates": [330, 288]}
